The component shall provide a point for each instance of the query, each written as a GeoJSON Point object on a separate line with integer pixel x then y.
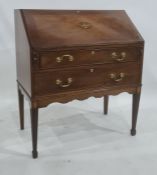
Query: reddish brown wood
{"type": "Point", "coordinates": [83, 78]}
{"type": "Point", "coordinates": [49, 29]}
{"type": "Point", "coordinates": [86, 57]}
{"type": "Point", "coordinates": [34, 125]}
{"type": "Point", "coordinates": [22, 54]}
{"type": "Point", "coordinates": [135, 106]}
{"type": "Point", "coordinates": [64, 97]}
{"type": "Point", "coordinates": [56, 45]}
{"type": "Point", "coordinates": [106, 100]}
{"type": "Point", "coordinates": [21, 108]}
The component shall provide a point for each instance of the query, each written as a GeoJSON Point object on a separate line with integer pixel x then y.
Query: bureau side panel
{"type": "Point", "coordinates": [22, 53]}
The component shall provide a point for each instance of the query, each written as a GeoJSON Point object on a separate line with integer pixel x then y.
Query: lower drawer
{"type": "Point", "coordinates": [61, 80]}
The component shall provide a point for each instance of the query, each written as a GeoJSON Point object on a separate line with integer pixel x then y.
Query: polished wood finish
{"type": "Point", "coordinates": [135, 106]}
{"type": "Point", "coordinates": [21, 108]}
{"type": "Point", "coordinates": [83, 78]}
{"type": "Point", "coordinates": [86, 57]}
{"type": "Point", "coordinates": [23, 54]}
{"type": "Point", "coordinates": [106, 101]}
{"type": "Point", "coordinates": [64, 55]}
{"type": "Point", "coordinates": [57, 28]}
{"type": "Point", "coordinates": [34, 126]}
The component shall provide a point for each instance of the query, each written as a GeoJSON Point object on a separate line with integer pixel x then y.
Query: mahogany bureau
{"type": "Point", "coordinates": [64, 55]}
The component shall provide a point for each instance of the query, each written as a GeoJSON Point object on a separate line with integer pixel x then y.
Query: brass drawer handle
{"type": "Point", "coordinates": [60, 82]}
{"type": "Point", "coordinates": [118, 78]}
{"type": "Point", "coordinates": [114, 55]}
{"type": "Point", "coordinates": [91, 70]}
{"type": "Point", "coordinates": [92, 52]}
{"type": "Point", "coordinates": [60, 59]}
{"type": "Point", "coordinates": [117, 58]}
{"type": "Point", "coordinates": [122, 57]}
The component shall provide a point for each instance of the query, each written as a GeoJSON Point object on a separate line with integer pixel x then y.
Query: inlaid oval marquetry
{"type": "Point", "coordinates": [85, 25]}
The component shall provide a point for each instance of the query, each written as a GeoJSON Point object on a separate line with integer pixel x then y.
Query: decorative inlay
{"type": "Point", "coordinates": [85, 25]}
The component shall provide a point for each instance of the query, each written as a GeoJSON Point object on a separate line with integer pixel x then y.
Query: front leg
{"type": "Point", "coordinates": [34, 128]}
{"type": "Point", "coordinates": [135, 108]}
{"type": "Point", "coordinates": [21, 108]}
{"type": "Point", "coordinates": [106, 100]}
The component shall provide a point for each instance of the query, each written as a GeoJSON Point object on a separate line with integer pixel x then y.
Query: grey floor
{"type": "Point", "coordinates": [76, 138]}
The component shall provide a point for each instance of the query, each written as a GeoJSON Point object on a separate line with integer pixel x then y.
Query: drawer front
{"type": "Point", "coordinates": [48, 82]}
{"type": "Point", "coordinates": [84, 57]}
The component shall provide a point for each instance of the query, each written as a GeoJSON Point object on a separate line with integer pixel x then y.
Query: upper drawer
{"type": "Point", "coordinates": [84, 57]}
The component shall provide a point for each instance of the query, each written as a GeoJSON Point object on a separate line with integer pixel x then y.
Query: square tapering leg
{"type": "Point", "coordinates": [106, 101]}
{"type": "Point", "coordinates": [34, 128]}
{"type": "Point", "coordinates": [21, 108]}
{"type": "Point", "coordinates": [135, 108]}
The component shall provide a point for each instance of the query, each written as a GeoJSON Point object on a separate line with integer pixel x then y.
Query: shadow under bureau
{"type": "Point", "coordinates": [64, 55]}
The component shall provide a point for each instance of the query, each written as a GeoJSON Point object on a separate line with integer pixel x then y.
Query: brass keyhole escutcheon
{"type": "Point", "coordinates": [91, 70]}
{"type": "Point", "coordinates": [35, 58]}
{"type": "Point", "coordinates": [93, 52]}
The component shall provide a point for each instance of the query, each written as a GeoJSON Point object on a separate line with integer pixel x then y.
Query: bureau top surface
{"type": "Point", "coordinates": [48, 29]}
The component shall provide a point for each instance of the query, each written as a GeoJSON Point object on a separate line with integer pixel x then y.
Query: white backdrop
{"type": "Point", "coordinates": [143, 13]}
